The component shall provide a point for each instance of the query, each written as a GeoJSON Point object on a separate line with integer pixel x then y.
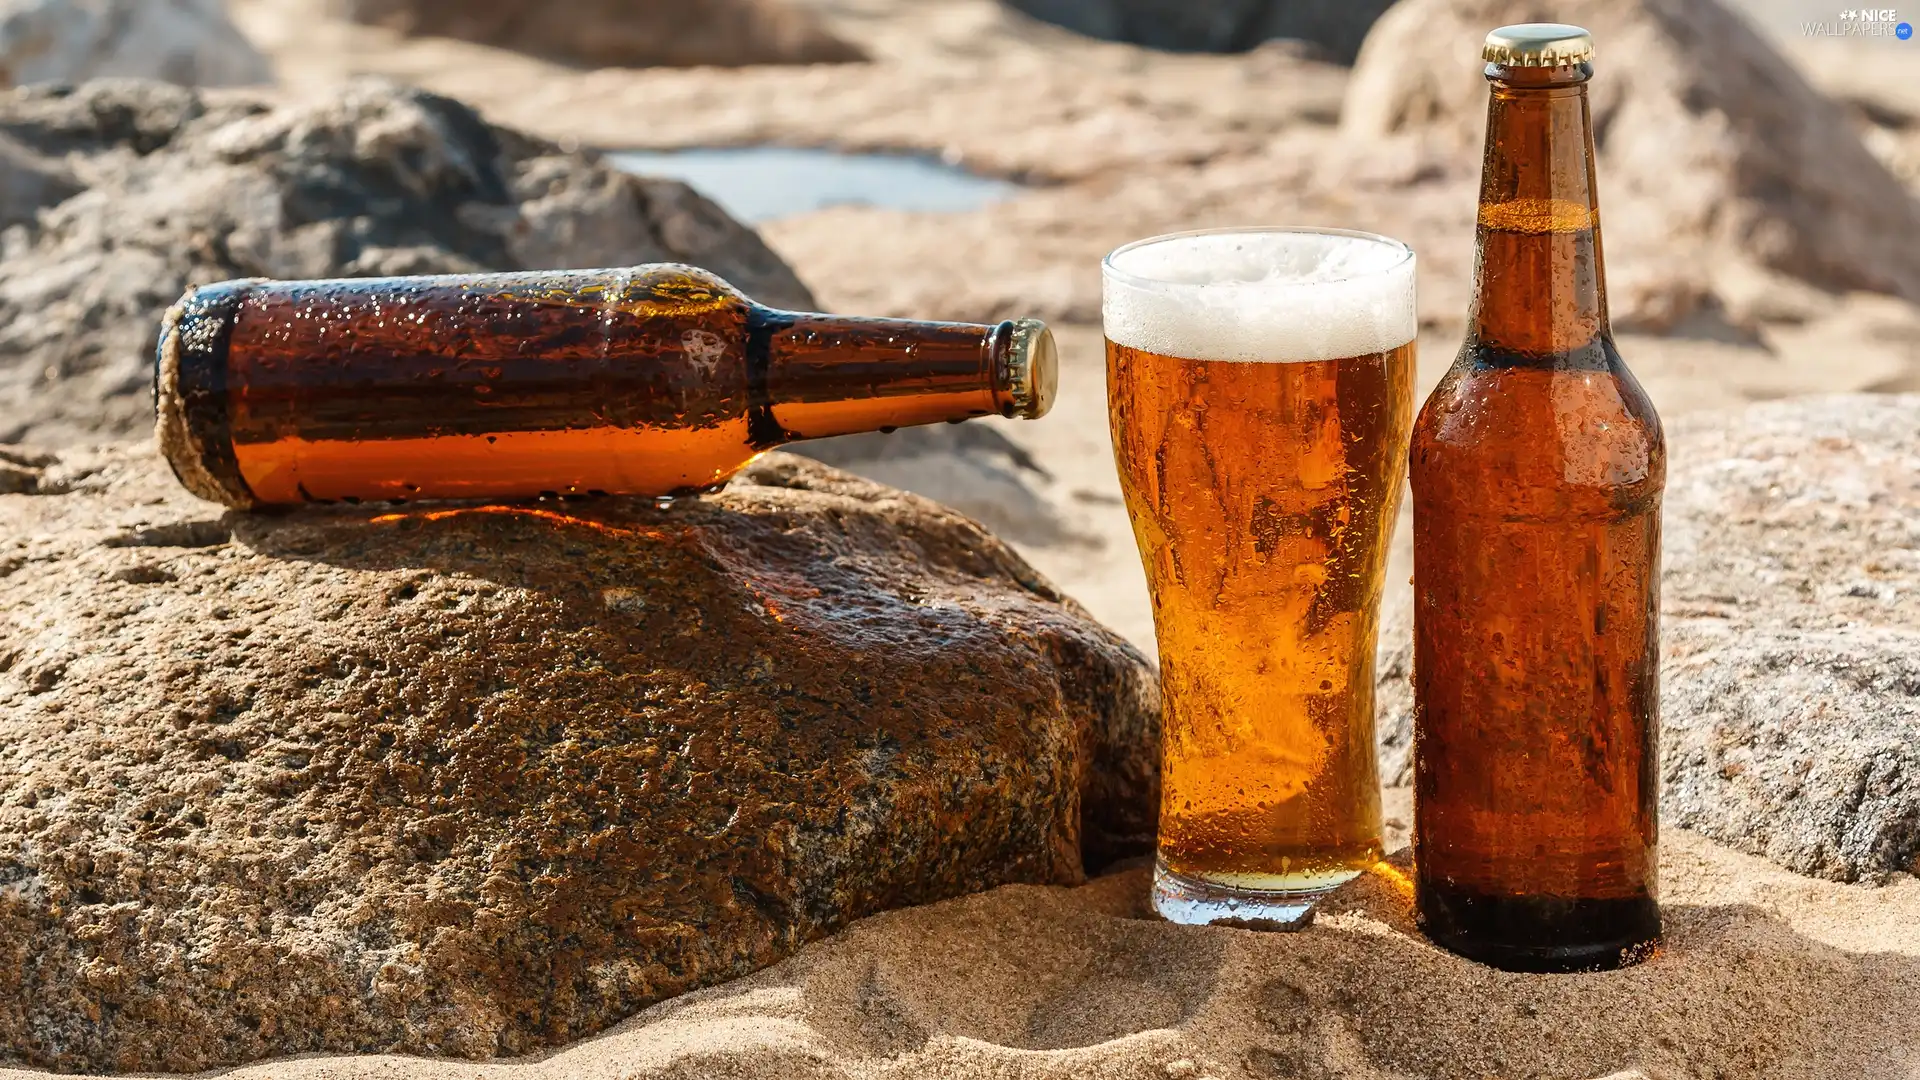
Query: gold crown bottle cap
{"type": "Point", "coordinates": [1034, 369]}
{"type": "Point", "coordinates": [1538, 45]}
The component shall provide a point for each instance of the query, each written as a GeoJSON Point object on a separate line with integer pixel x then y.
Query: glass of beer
{"type": "Point", "coordinates": [1260, 385]}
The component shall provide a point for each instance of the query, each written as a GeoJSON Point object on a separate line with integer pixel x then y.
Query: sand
{"type": "Point", "coordinates": [1764, 973]}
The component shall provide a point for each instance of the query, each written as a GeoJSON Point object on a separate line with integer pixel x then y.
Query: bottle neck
{"type": "Point", "coordinates": [839, 375]}
{"type": "Point", "coordinates": [1539, 281]}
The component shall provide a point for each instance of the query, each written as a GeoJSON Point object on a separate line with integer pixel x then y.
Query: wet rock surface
{"type": "Point", "coordinates": [122, 193]}
{"type": "Point", "coordinates": [472, 781]}
{"type": "Point", "coordinates": [187, 42]}
{"type": "Point", "coordinates": [1791, 711]}
{"type": "Point", "coordinates": [620, 33]}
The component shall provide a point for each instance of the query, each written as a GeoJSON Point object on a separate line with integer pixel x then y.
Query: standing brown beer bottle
{"type": "Point", "coordinates": [1537, 468]}
{"type": "Point", "coordinates": [654, 380]}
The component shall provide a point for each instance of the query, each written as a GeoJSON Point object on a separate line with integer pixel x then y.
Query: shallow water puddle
{"type": "Point", "coordinates": [761, 183]}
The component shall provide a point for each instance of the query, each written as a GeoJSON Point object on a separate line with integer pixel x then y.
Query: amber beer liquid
{"type": "Point", "coordinates": [1260, 385]}
{"type": "Point", "coordinates": [1538, 465]}
{"type": "Point", "coordinates": [653, 380]}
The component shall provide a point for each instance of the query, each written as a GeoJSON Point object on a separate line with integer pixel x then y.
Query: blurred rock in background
{"type": "Point", "coordinates": [1336, 27]}
{"type": "Point", "coordinates": [30, 180]}
{"type": "Point", "coordinates": [973, 468]}
{"type": "Point", "coordinates": [188, 42]}
{"type": "Point", "coordinates": [123, 193]}
{"type": "Point", "coordinates": [1720, 167]}
{"type": "Point", "coordinates": [621, 33]}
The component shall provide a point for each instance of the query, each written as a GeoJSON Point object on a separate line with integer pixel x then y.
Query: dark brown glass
{"type": "Point", "coordinates": [654, 380]}
{"type": "Point", "coordinates": [1537, 469]}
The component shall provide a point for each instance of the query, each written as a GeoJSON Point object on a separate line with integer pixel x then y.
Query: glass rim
{"type": "Point", "coordinates": [1114, 273]}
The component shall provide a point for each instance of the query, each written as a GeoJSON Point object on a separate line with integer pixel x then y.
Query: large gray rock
{"type": "Point", "coordinates": [1335, 26]}
{"type": "Point", "coordinates": [622, 33]}
{"type": "Point", "coordinates": [189, 42]}
{"type": "Point", "coordinates": [1719, 166]}
{"type": "Point", "coordinates": [176, 188]}
{"type": "Point", "coordinates": [474, 781]}
{"type": "Point", "coordinates": [1791, 684]}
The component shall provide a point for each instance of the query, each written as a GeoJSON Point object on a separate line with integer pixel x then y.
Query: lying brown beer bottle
{"type": "Point", "coordinates": [1537, 469]}
{"type": "Point", "coordinates": [655, 380]}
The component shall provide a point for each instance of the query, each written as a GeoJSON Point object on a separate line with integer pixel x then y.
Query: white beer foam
{"type": "Point", "coordinates": [1287, 297]}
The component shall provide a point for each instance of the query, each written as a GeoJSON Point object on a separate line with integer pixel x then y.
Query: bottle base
{"type": "Point", "coordinates": [1192, 901]}
{"type": "Point", "coordinates": [1540, 934]}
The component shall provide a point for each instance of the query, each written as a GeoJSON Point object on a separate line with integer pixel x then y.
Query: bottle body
{"type": "Point", "coordinates": [1536, 506]}
{"type": "Point", "coordinates": [1537, 467]}
{"type": "Point", "coordinates": [654, 380]}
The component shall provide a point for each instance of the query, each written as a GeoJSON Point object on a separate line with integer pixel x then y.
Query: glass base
{"type": "Point", "coordinates": [1242, 903]}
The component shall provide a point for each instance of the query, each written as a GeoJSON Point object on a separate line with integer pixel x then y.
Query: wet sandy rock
{"type": "Point", "coordinates": [1791, 711]}
{"type": "Point", "coordinates": [476, 781]}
